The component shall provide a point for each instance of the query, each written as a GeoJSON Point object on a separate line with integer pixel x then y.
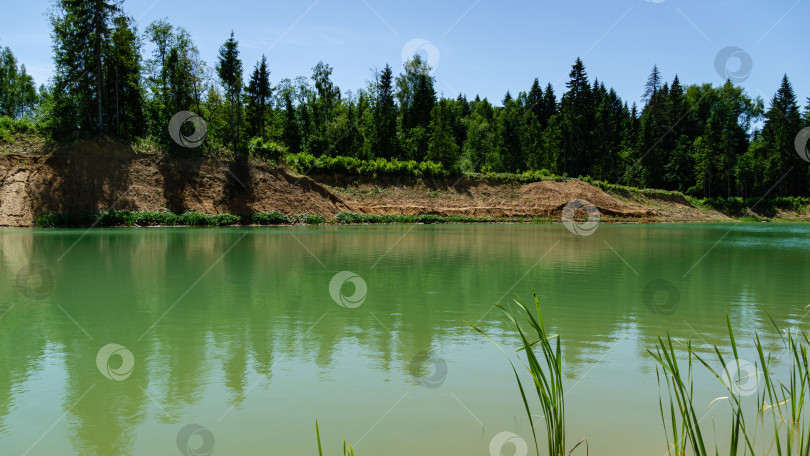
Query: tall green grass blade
{"type": "Point", "coordinates": [318, 435]}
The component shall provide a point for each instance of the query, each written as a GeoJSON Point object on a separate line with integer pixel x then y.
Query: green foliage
{"type": "Point", "coordinates": [134, 218]}
{"type": "Point", "coordinates": [229, 70]}
{"type": "Point", "coordinates": [266, 150]}
{"type": "Point", "coordinates": [701, 140]}
{"type": "Point", "coordinates": [270, 218]}
{"type": "Point", "coordinates": [258, 93]}
{"type": "Point", "coordinates": [17, 93]}
{"type": "Point", "coordinates": [354, 218]}
{"type": "Point", "coordinates": [10, 129]}
{"type": "Point", "coordinates": [783, 403]}
{"type": "Point", "coordinates": [738, 206]}
{"type": "Point", "coordinates": [311, 219]}
{"type": "Point", "coordinates": [82, 33]}
{"type": "Point", "coordinates": [546, 372]}
{"type": "Point", "coordinates": [308, 163]}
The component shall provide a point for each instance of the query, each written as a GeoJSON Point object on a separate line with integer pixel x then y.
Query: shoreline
{"type": "Point", "coordinates": [74, 184]}
{"type": "Point", "coordinates": [126, 219]}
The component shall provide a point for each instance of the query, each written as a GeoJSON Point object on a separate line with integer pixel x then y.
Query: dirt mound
{"type": "Point", "coordinates": [485, 199]}
{"type": "Point", "coordinates": [551, 197]}
{"type": "Point", "coordinates": [102, 175]}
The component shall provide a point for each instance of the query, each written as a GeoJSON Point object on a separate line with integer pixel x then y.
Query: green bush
{"type": "Point", "coordinates": [311, 219]}
{"type": "Point", "coordinates": [11, 128]}
{"type": "Point", "coordinates": [270, 218]}
{"type": "Point", "coordinates": [737, 205]}
{"type": "Point", "coordinates": [308, 163]}
{"type": "Point", "coordinates": [134, 218]}
{"type": "Point", "coordinates": [269, 150]}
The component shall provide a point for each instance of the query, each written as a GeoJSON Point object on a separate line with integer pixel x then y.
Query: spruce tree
{"type": "Point", "coordinates": [385, 116]}
{"type": "Point", "coordinates": [782, 124]}
{"type": "Point", "coordinates": [535, 99]}
{"type": "Point", "coordinates": [81, 33]}
{"type": "Point", "coordinates": [229, 69]}
{"type": "Point", "coordinates": [124, 89]}
{"type": "Point", "coordinates": [652, 86]}
{"type": "Point", "coordinates": [578, 121]}
{"type": "Point", "coordinates": [258, 93]}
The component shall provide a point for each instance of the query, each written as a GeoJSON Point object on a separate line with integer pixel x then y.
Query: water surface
{"type": "Point", "coordinates": [234, 330]}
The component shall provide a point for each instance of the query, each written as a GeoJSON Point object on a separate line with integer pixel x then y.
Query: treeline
{"type": "Point", "coordinates": [700, 139]}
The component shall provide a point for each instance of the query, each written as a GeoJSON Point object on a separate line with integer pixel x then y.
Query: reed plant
{"type": "Point", "coordinates": [545, 366]}
{"type": "Point", "coordinates": [780, 408]}
{"type": "Point", "coordinates": [347, 451]}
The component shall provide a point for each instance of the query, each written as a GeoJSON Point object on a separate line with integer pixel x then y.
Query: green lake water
{"type": "Point", "coordinates": [229, 341]}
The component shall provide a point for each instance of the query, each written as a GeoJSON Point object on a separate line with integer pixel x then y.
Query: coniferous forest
{"type": "Point", "coordinates": [701, 139]}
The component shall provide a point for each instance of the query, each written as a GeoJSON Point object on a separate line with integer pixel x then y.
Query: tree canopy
{"type": "Point", "coordinates": [701, 139]}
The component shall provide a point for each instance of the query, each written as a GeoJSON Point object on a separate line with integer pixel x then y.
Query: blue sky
{"type": "Point", "coordinates": [484, 47]}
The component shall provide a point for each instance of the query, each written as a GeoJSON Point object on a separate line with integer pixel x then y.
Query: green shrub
{"type": "Point", "coordinates": [308, 163]}
{"type": "Point", "coordinates": [270, 218]}
{"type": "Point", "coordinates": [311, 219]}
{"type": "Point", "coordinates": [429, 218]}
{"type": "Point", "coordinates": [270, 150]}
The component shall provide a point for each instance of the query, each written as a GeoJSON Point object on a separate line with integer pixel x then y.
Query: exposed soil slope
{"type": "Point", "coordinates": [101, 175]}
{"type": "Point", "coordinates": [489, 199]}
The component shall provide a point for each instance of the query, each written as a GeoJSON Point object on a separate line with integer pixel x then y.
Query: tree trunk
{"type": "Point", "coordinates": [99, 76]}
{"type": "Point", "coordinates": [117, 108]}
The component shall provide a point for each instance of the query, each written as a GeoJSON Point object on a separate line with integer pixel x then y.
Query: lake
{"type": "Point", "coordinates": [233, 341]}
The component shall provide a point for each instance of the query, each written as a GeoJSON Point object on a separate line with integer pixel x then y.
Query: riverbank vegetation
{"type": "Point", "coordinates": [704, 140]}
{"type": "Point", "coordinates": [192, 218]}
{"type": "Point", "coordinates": [778, 409]}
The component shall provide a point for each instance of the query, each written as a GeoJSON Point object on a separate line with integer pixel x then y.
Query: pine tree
{"type": "Point", "coordinates": [507, 98]}
{"type": "Point", "coordinates": [535, 99]}
{"type": "Point", "coordinates": [652, 86]}
{"type": "Point", "coordinates": [578, 120]}
{"type": "Point", "coordinates": [258, 93]}
{"type": "Point", "coordinates": [385, 116]}
{"type": "Point", "coordinates": [81, 32]}
{"type": "Point", "coordinates": [782, 124]}
{"type": "Point", "coordinates": [124, 79]}
{"type": "Point", "coordinates": [229, 69]}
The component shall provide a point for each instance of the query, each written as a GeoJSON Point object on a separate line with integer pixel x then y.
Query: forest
{"type": "Point", "coordinates": [701, 139]}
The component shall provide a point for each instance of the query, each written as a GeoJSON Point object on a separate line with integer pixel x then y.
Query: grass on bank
{"type": "Point", "coordinates": [197, 219]}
